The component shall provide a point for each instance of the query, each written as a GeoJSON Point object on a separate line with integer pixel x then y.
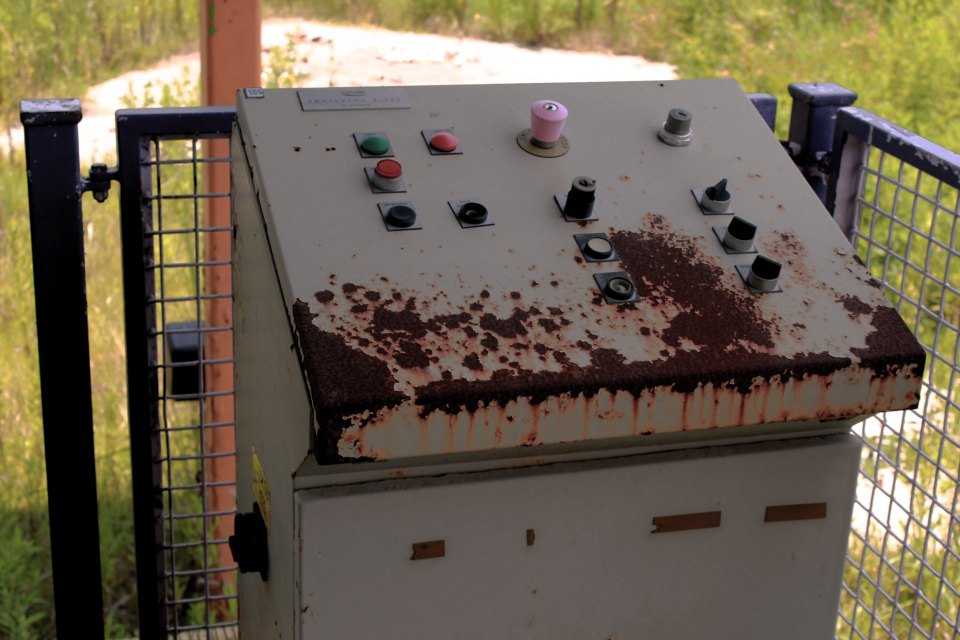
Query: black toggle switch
{"type": "Point", "coordinates": [764, 269]}
{"type": "Point", "coordinates": [718, 191]}
{"type": "Point", "coordinates": [739, 235]}
{"type": "Point", "coordinates": [580, 198]}
{"type": "Point", "coordinates": [762, 276]}
{"type": "Point", "coordinates": [716, 199]}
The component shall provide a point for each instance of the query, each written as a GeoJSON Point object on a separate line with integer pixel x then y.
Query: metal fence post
{"type": "Point", "coordinates": [138, 131]}
{"type": "Point", "coordinates": [849, 157]}
{"type": "Point", "coordinates": [142, 386]}
{"type": "Point", "coordinates": [766, 106]}
{"type": "Point", "coordinates": [812, 121]}
{"type": "Point", "coordinates": [56, 232]}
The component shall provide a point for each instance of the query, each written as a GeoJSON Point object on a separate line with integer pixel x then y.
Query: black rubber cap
{"type": "Point", "coordinates": [580, 198]}
{"type": "Point", "coordinates": [401, 216]}
{"type": "Point", "coordinates": [248, 544]}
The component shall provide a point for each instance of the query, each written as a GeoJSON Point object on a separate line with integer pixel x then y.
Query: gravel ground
{"type": "Point", "coordinates": [333, 55]}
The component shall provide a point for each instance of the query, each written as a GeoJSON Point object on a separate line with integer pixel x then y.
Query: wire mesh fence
{"type": "Point", "coordinates": [193, 359]}
{"type": "Point", "coordinates": [902, 577]}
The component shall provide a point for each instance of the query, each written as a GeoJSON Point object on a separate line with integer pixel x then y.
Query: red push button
{"type": "Point", "coordinates": [388, 169]}
{"type": "Point", "coordinates": [444, 142]}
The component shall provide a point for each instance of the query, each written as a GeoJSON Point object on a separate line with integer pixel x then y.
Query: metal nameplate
{"type": "Point", "coordinates": [355, 98]}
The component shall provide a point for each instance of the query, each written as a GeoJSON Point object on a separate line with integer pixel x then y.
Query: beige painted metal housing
{"type": "Point", "coordinates": [367, 357]}
{"type": "Point", "coordinates": [444, 339]}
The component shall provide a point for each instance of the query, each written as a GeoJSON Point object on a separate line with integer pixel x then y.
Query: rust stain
{"type": "Point", "coordinates": [686, 522]}
{"type": "Point", "coordinates": [671, 269]}
{"type": "Point", "coordinates": [683, 372]}
{"type": "Point", "coordinates": [855, 306]}
{"type": "Point", "coordinates": [472, 361]}
{"type": "Point", "coordinates": [787, 249]}
{"type": "Point", "coordinates": [451, 432]}
{"type": "Point", "coordinates": [532, 436]}
{"type": "Point", "coordinates": [706, 347]}
{"type": "Point", "coordinates": [429, 549]}
{"type": "Point", "coordinates": [411, 355]}
{"type": "Point", "coordinates": [789, 512]}
{"type": "Point", "coordinates": [471, 425]}
{"type": "Point", "coordinates": [359, 382]}
{"type": "Point", "coordinates": [531, 538]}
{"type": "Point", "coordinates": [891, 346]}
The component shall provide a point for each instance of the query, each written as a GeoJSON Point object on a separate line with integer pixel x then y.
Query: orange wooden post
{"type": "Point", "coordinates": [230, 60]}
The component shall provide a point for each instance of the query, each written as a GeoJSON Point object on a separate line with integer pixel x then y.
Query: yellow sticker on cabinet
{"type": "Point", "coordinates": [261, 490]}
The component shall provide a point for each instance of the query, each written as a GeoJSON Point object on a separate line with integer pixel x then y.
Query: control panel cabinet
{"type": "Point", "coordinates": [544, 361]}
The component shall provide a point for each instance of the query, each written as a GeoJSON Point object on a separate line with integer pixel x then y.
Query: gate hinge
{"type": "Point", "coordinates": [99, 180]}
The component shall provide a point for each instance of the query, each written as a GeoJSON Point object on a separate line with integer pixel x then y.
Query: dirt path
{"type": "Point", "coordinates": [332, 55]}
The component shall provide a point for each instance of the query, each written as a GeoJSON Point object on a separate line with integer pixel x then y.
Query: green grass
{"type": "Point", "coordinates": [57, 48]}
{"type": "Point", "coordinates": [897, 54]}
{"type": "Point", "coordinates": [25, 570]}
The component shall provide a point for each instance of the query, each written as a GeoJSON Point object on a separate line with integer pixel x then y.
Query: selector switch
{"type": "Point", "coordinates": [716, 198]}
{"type": "Point", "coordinates": [738, 236]}
{"type": "Point", "coordinates": [386, 177]}
{"type": "Point", "coordinates": [545, 136]}
{"type": "Point", "coordinates": [577, 205]}
{"type": "Point", "coordinates": [677, 130]}
{"type": "Point", "coordinates": [373, 144]}
{"type": "Point", "coordinates": [763, 276]}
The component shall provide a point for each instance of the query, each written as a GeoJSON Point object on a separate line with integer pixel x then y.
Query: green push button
{"type": "Point", "coordinates": [375, 145]}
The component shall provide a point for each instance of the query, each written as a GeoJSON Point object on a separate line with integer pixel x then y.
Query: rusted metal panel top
{"type": "Point", "coordinates": [445, 339]}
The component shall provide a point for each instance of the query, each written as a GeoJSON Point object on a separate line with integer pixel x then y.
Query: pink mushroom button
{"type": "Point", "coordinates": [547, 118]}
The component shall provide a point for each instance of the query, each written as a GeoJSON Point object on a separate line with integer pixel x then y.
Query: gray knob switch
{"type": "Point", "coordinates": [677, 130]}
